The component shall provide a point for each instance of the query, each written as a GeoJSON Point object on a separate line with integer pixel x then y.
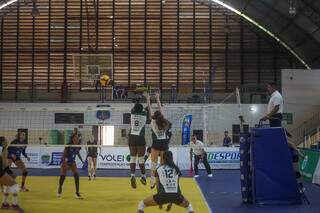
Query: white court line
{"type": "Point", "coordinates": [202, 195]}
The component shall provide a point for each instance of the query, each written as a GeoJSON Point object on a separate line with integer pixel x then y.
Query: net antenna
{"type": "Point", "coordinates": [240, 109]}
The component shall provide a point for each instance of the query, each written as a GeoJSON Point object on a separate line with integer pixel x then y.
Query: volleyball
{"type": "Point", "coordinates": [104, 80]}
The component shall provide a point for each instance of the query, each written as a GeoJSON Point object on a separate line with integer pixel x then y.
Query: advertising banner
{"type": "Point", "coordinates": [309, 163]}
{"type": "Point", "coordinates": [186, 126]}
{"type": "Point", "coordinates": [316, 175]}
{"type": "Point", "coordinates": [218, 158]}
{"type": "Point", "coordinates": [119, 157]}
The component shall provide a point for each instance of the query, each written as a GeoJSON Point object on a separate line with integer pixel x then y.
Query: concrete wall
{"type": "Point", "coordinates": [39, 118]}
{"type": "Point", "coordinates": [300, 89]}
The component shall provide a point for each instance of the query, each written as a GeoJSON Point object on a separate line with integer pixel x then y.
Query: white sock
{"type": "Point", "coordinates": [141, 205]}
{"type": "Point", "coordinates": [189, 208]}
{"type": "Point", "coordinates": [5, 198]}
{"type": "Point", "coordinates": [133, 175]}
{"type": "Point", "coordinates": [15, 199]}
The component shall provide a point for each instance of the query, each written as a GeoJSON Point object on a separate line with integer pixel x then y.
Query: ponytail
{"type": "Point", "coordinates": [168, 160]}
{"type": "Point", "coordinates": [162, 123]}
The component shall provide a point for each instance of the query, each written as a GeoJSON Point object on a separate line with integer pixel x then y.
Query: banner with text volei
{"type": "Point", "coordinates": [119, 157]}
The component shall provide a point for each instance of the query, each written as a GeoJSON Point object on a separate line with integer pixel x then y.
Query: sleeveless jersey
{"type": "Point", "coordinates": [92, 150]}
{"type": "Point", "coordinates": [138, 123]}
{"type": "Point", "coordinates": [169, 180]}
{"type": "Point", "coordinates": [157, 134]}
{"type": "Point", "coordinates": [72, 153]}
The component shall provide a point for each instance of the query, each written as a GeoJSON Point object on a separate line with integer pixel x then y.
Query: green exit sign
{"type": "Point", "coordinates": [288, 116]}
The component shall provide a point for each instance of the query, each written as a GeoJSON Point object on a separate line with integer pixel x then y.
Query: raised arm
{"type": "Point", "coordinates": [159, 102]}
{"type": "Point", "coordinates": [4, 153]}
{"type": "Point", "coordinates": [149, 104]}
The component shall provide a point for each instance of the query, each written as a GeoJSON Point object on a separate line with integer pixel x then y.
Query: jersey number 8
{"type": "Point", "coordinates": [136, 123]}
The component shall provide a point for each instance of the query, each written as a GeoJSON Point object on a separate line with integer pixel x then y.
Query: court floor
{"type": "Point", "coordinates": [111, 193]}
{"type": "Point", "coordinates": [107, 195]}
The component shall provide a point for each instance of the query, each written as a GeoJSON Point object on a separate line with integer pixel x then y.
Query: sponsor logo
{"type": "Point", "coordinates": [242, 139]}
{"type": "Point", "coordinates": [45, 159]}
{"type": "Point", "coordinates": [223, 157]}
{"type": "Point", "coordinates": [114, 158]}
{"type": "Point", "coordinates": [56, 158]}
{"type": "Point", "coordinates": [304, 162]}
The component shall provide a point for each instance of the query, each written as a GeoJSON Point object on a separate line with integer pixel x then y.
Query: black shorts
{"type": "Point", "coordinates": [160, 145]}
{"type": "Point", "coordinates": [6, 170]}
{"type": "Point", "coordinates": [2, 172]}
{"type": "Point", "coordinates": [14, 161]}
{"type": "Point", "coordinates": [164, 198]}
{"type": "Point", "coordinates": [136, 140]}
{"type": "Point", "coordinates": [93, 155]}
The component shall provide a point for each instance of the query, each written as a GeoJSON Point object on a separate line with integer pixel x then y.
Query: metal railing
{"type": "Point", "coordinates": [308, 129]}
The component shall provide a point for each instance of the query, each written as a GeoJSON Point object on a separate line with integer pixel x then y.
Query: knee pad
{"type": "Point", "coordinates": [76, 175]}
{"type": "Point", "coordinates": [141, 160]}
{"type": "Point", "coordinates": [5, 189]}
{"type": "Point", "coordinates": [298, 175]}
{"type": "Point", "coordinates": [153, 166]}
{"type": "Point", "coordinates": [25, 173]}
{"type": "Point", "coordinates": [62, 177]}
{"type": "Point", "coordinates": [14, 189]}
{"type": "Point", "coordinates": [133, 159]}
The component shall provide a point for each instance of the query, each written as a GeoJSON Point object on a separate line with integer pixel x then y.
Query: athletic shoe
{"type": "Point", "coordinates": [210, 175]}
{"type": "Point", "coordinates": [59, 191]}
{"type": "Point", "coordinates": [133, 182]}
{"type": "Point", "coordinates": [140, 211]}
{"type": "Point", "coordinates": [302, 190]}
{"type": "Point", "coordinates": [160, 207]}
{"type": "Point", "coordinates": [78, 196]}
{"type": "Point", "coordinates": [169, 206]}
{"type": "Point", "coordinates": [143, 180]}
{"type": "Point", "coordinates": [89, 177]}
{"type": "Point", "coordinates": [152, 183]}
{"type": "Point", "coordinates": [17, 208]}
{"type": "Point", "coordinates": [5, 206]}
{"type": "Point", "coordinates": [196, 176]}
{"type": "Point", "coordinates": [24, 189]}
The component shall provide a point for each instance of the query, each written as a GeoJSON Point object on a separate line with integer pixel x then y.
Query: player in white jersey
{"type": "Point", "coordinates": [167, 177]}
{"type": "Point", "coordinates": [137, 142]}
{"type": "Point", "coordinates": [7, 179]}
{"type": "Point", "coordinates": [160, 140]}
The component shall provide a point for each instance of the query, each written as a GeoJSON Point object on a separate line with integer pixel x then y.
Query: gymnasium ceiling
{"type": "Point", "coordinates": [300, 31]}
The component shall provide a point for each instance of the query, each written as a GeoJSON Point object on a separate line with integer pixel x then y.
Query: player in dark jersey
{"type": "Point", "coordinates": [160, 142]}
{"type": "Point", "coordinates": [14, 156]}
{"type": "Point", "coordinates": [167, 178]}
{"type": "Point", "coordinates": [69, 162]}
{"type": "Point", "coordinates": [137, 142]}
{"type": "Point", "coordinates": [7, 179]}
{"type": "Point", "coordinates": [92, 158]}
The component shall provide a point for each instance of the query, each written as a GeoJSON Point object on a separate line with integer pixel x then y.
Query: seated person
{"type": "Point", "coordinates": [227, 140]}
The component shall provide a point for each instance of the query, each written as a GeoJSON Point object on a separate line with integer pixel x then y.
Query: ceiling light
{"type": "Point", "coordinates": [7, 3]}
